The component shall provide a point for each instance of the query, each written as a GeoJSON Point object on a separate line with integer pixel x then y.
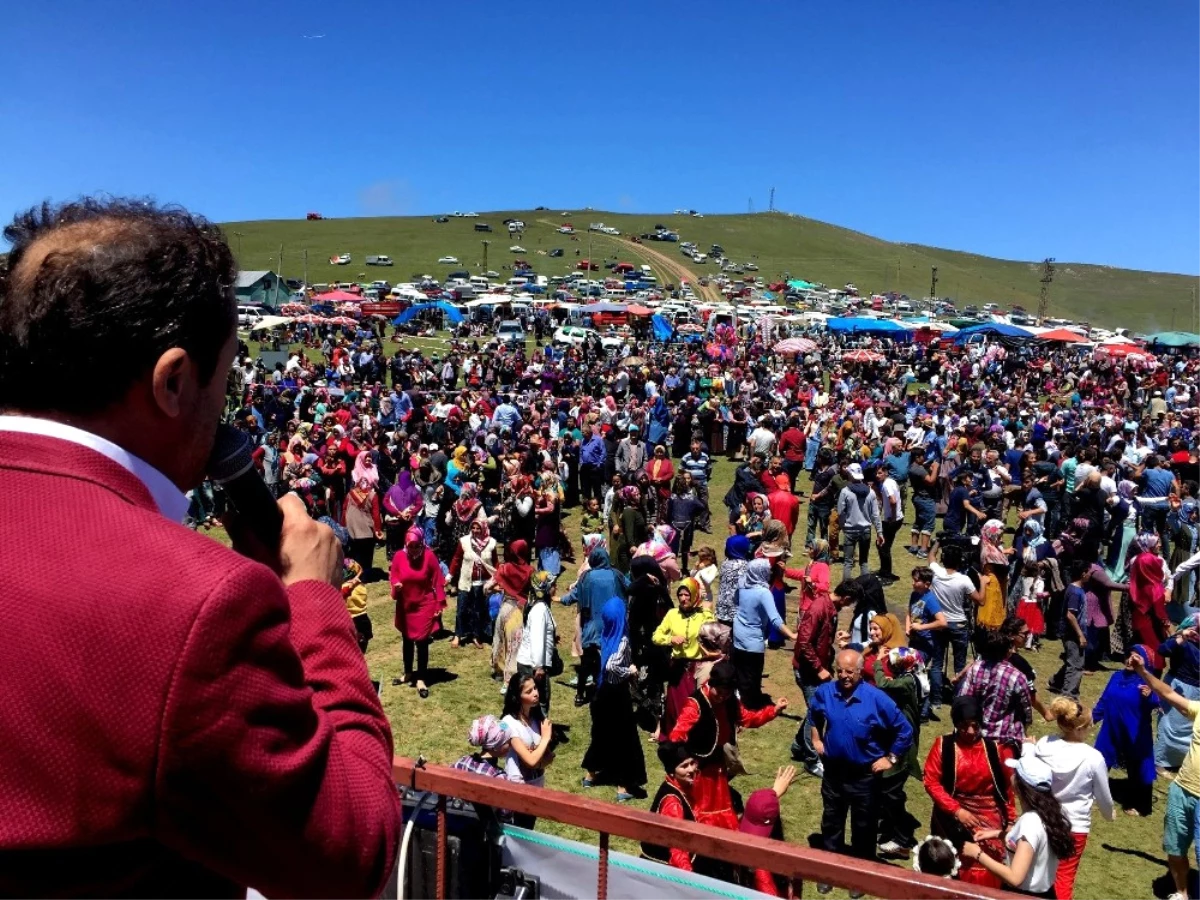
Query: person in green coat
{"type": "Point", "coordinates": [899, 673]}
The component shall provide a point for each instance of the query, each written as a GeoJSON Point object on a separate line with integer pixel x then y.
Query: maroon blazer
{"type": "Point", "coordinates": [172, 720]}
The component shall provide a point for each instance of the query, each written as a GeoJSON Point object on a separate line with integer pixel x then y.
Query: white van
{"type": "Point", "coordinates": [249, 316]}
{"type": "Point", "coordinates": [517, 281]}
{"type": "Point", "coordinates": [480, 283]}
{"type": "Point", "coordinates": [615, 293]}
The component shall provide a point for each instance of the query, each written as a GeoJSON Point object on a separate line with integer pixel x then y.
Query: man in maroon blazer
{"type": "Point", "coordinates": [177, 719]}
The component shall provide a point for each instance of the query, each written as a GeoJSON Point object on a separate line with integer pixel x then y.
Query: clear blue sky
{"type": "Point", "coordinates": [1065, 129]}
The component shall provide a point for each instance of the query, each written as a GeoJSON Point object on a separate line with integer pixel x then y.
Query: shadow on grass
{"type": "Point", "coordinates": [1163, 885]}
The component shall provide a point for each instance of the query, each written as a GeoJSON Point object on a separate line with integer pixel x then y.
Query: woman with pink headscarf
{"type": "Point", "coordinates": [419, 590]}
{"type": "Point", "coordinates": [364, 469]}
{"type": "Point", "coordinates": [361, 516]}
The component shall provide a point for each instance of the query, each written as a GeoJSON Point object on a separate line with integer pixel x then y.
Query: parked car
{"type": "Point", "coordinates": [557, 251]}
{"type": "Point", "coordinates": [482, 226]}
{"type": "Point", "coordinates": [442, 220]}
{"type": "Point", "coordinates": [574, 336]}
{"type": "Point", "coordinates": [342, 259]}
{"type": "Point", "coordinates": [448, 260]}
{"type": "Point", "coordinates": [517, 248]}
{"type": "Point", "coordinates": [510, 332]}
{"type": "Point", "coordinates": [248, 316]}
{"type": "Point", "coordinates": [379, 260]}
{"type": "Point", "coordinates": [751, 267]}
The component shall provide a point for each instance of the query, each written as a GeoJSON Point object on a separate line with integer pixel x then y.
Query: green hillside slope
{"type": "Point", "coordinates": [777, 243]}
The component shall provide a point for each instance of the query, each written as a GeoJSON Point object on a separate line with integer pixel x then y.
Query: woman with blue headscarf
{"type": "Point", "coordinates": [1126, 737]}
{"type": "Point", "coordinates": [659, 422]}
{"type": "Point", "coordinates": [737, 557]}
{"type": "Point", "coordinates": [614, 755]}
{"type": "Point", "coordinates": [756, 616]}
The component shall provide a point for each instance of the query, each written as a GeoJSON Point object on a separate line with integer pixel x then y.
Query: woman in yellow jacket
{"type": "Point", "coordinates": [680, 630]}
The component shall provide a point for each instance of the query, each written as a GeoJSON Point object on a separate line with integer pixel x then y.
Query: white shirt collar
{"type": "Point", "coordinates": [171, 502]}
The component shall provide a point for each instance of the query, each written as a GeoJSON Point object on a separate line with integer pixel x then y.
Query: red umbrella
{"type": "Point", "coordinates": [311, 319]}
{"type": "Point", "coordinates": [338, 296]}
{"type": "Point", "coordinates": [343, 320]}
{"type": "Point", "coordinates": [795, 345]}
{"type": "Point", "coordinates": [1120, 351]}
{"type": "Point", "coordinates": [862, 356]}
{"type": "Point", "coordinates": [635, 310]}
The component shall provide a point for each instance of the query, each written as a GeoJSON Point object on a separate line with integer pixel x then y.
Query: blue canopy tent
{"type": "Point", "coordinates": [411, 313]}
{"type": "Point", "coordinates": [662, 328]}
{"type": "Point", "coordinates": [875, 327]}
{"type": "Point", "coordinates": [992, 329]}
{"type": "Point", "coordinates": [1174, 339]}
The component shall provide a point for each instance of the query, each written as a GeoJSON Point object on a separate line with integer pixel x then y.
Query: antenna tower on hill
{"type": "Point", "coordinates": [771, 202]}
{"type": "Point", "coordinates": [1047, 277]}
{"type": "Point", "coordinates": [750, 205]}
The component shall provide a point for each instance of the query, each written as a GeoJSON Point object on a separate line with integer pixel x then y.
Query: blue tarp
{"type": "Point", "coordinates": [882, 327]}
{"type": "Point", "coordinates": [662, 328]}
{"type": "Point", "coordinates": [992, 329]}
{"type": "Point", "coordinates": [411, 313]}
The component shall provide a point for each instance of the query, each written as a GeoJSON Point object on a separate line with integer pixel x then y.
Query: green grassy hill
{"type": "Point", "coordinates": [777, 243]}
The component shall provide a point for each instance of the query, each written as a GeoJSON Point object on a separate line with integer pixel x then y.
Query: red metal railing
{"type": "Point", "coordinates": [788, 860]}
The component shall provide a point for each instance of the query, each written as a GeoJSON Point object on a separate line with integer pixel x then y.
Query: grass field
{"type": "Point", "coordinates": [1123, 858]}
{"type": "Point", "coordinates": [777, 243]}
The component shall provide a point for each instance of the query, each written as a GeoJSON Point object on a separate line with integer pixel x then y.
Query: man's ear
{"type": "Point", "coordinates": [170, 381]}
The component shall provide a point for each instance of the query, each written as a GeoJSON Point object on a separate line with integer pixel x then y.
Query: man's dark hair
{"type": "Point", "coordinates": [952, 557]}
{"type": "Point", "coordinates": [104, 287]}
{"type": "Point", "coordinates": [991, 643]}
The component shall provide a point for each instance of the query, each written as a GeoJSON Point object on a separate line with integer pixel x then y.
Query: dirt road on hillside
{"type": "Point", "coordinates": [676, 271]}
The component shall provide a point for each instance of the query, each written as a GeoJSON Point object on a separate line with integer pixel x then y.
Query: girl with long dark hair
{"type": "Point", "coordinates": [529, 732]}
{"type": "Point", "coordinates": [1040, 837]}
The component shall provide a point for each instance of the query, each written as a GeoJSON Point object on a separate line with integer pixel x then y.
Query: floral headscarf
{"type": "Point", "coordinates": [487, 733]}
{"type": "Point", "coordinates": [992, 548]}
{"type": "Point", "coordinates": [630, 495]}
{"type": "Point", "coordinates": [1148, 542]}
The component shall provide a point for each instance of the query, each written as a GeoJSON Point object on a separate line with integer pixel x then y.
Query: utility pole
{"type": "Point", "coordinates": [750, 205]}
{"type": "Point", "coordinates": [279, 276]}
{"type": "Point", "coordinates": [771, 202]}
{"type": "Point", "coordinates": [238, 235]}
{"type": "Point", "coordinates": [306, 267]}
{"type": "Point", "coordinates": [933, 285]}
{"type": "Point", "coordinates": [485, 249]}
{"type": "Point", "coordinates": [1047, 277]}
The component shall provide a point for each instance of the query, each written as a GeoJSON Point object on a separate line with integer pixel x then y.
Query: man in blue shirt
{"type": "Point", "coordinates": [507, 415]}
{"type": "Point", "coordinates": [859, 733]}
{"type": "Point", "coordinates": [592, 457]}
{"type": "Point", "coordinates": [1156, 479]}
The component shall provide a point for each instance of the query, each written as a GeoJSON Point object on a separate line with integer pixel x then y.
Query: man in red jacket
{"type": "Point", "coordinates": [177, 718]}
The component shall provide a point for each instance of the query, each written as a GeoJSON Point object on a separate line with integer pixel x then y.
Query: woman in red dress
{"type": "Point", "coordinates": [969, 783]}
{"type": "Point", "coordinates": [661, 472]}
{"type": "Point", "coordinates": [1148, 592]}
{"type": "Point", "coordinates": [709, 720]}
{"type": "Point", "coordinates": [418, 588]}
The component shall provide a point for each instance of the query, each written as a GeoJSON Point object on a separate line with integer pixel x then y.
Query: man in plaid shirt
{"type": "Point", "coordinates": [1002, 691]}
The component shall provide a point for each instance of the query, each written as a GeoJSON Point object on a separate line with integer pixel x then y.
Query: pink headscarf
{"type": "Point", "coordinates": [364, 470]}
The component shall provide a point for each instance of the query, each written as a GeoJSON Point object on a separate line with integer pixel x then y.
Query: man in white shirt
{"type": "Point", "coordinates": [762, 438]}
{"type": "Point", "coordinates": [892, 513]}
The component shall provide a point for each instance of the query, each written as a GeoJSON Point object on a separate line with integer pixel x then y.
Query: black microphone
{"type": "Point", "coordinates": [231, 465]}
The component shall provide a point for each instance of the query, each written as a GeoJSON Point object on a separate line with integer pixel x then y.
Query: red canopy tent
{"type": "Point", "coordinates": [635, 310]}
{"type": "Point", "coordinates": [338, 296]}
{"type": "Point", "coordinates": [1063, 335]}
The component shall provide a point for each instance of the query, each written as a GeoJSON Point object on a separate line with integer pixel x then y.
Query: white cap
{"type": "Point", "coordinates": [1033, 771]}
{"type": "Point", "coordinates": [854, 470]}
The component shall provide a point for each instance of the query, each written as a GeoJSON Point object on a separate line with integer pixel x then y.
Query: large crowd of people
{"type": "Point", "coordinates": [1046, 495]}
